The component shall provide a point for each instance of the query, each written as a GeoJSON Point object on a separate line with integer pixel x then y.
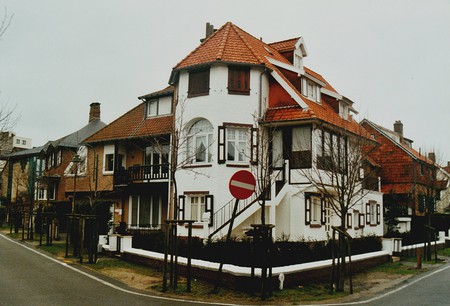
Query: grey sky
{"type": "Point", "coordinates": [390, 57]}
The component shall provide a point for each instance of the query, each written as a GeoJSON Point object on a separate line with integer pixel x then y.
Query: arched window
{"type": "Point", "coordinates": [200, 142]}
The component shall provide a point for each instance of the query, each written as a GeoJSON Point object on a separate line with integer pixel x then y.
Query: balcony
{"type": "Point", "coordinates": [141, 174]}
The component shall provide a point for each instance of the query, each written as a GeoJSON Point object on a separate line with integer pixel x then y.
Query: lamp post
{"type": "Point", "coordinates": [75, 159]}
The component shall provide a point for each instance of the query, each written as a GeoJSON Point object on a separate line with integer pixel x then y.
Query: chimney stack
{"type": "Point", "coordinates": [209, 31]}
{"type": "Point", "coordinates": [398, 127]}
{"type": "Point", "coordinates": [94, 113]}
{"type": "Point", "coordinates": [432, 156]}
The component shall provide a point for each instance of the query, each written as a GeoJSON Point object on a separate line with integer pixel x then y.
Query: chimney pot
{"type": "Point", "coordinates": [94, 112]}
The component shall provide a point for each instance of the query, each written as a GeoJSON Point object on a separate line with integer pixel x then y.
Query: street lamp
{"type": "Point", "coordinates": [75, 160]}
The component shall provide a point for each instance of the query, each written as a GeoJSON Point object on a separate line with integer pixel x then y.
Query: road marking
{"type": "Point", "coordinates": [107, 283]}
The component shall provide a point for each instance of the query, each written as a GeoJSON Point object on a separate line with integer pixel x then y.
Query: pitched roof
{"type": "Point", "coordinates": [231, 44]}
{"type": "Point", "coordinates": [285, 45]}
{"type": "Point", "coordinates": [133, 124]}
{"type": "Point", "coordinates": [389, 135]}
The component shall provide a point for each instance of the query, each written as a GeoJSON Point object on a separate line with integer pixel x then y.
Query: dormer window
{"type": "Point", "coordinates": [238, 80]}
{"type": "Point", "coordinates": [343, 110]}
{"type": "Point", "coordinates": [158, 106]}
{"type": "Point", "coordinates": [311, 90]}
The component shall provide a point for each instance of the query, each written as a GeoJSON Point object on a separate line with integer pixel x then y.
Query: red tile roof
{"type": "Point", "coordinates": [231, 44]}
{"type": "Point", "coordinates": [387, 133]}
{"type": "Point", "coordinates": [133, 124]}
{"type": "Point", "coordinates": [285, 45]}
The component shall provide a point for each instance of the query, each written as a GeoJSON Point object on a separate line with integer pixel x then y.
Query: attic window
{"type": "Point", "coordinates": [311, 90]}
{"type": "Point", "coordinates": [239, 80]}
{"type": "Point", "coordinates": [198, 83]}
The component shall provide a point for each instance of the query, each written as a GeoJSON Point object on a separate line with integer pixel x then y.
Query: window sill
{"type": "Point", "coordinates": [196, 166]}
{"type": "Point", "coordinates": [238, 165]}
{"type": "Point", "coordinates": [315, 225]}
{"type": "Point", "coordinates": [199, 94]}
{"type": "Point", "coordinates": [236, 92]}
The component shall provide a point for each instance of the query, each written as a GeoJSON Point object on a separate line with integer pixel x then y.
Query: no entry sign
{"type": "Point", "coordinates": [242, 184]}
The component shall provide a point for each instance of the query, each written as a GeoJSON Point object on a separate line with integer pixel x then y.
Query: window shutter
{"type": "Point", "coordinates": [254, 146]}
{"type": "Point", "coordinates": [209, 207]}
{"type": "Point", "coordinates": [367, 213]}
{"type": "Point", "coordinates": [378, 213]}
{"type": "Point", "coordinates": [221, 145]}
{"type": "Point", "coordinates": [307, 210]}
{"type": "Point", "coordinates": [181, 200]}
{"type": "Point", "coordinates": [322, 211]}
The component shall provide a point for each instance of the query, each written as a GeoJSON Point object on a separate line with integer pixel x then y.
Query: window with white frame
{"type": "Point", "coordinates": [237, 144]}
{"type": "Point", "coordinates": [152, 108]}
{"type": "Point", "coordinates": [373, 213]}
{"type": "Point", "coordinates": [200, 142]}
{"type": "Point", "coordinates": [145, 211]}
{"type": "Point", "coordinates": [314, 209]}
{"type": "Point", "coordinates": [198, 205]}
{"type": "Point", "coordinates": [108, 159]}
{"type": "Point", "coordinates": [310, 90]}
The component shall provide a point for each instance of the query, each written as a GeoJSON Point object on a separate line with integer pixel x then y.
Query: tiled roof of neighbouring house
{"type": "Point", "coordinates": [134, 124]}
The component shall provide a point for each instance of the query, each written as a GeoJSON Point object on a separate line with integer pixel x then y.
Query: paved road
{"type": "Point", "coordinates": [29, 277]}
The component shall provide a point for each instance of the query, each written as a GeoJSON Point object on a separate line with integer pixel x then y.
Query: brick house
{"type": "Point", "coordinates": [40, 174]}
{"type": "Point", "coordinates": [408, 178]}
{"type": "Point", "coordinates": [127, 162]}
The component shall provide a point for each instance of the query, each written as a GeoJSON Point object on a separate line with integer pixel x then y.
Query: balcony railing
{"type": "Point", "coordinates": [141, 173]}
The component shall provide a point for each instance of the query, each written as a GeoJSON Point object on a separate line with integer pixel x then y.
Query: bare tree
{"type": "Point", "coordinates": [342, 173]}
{"type": "Point", "coordinates": [6, 22]}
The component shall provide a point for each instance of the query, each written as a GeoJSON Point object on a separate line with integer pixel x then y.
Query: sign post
{"type": "Point", "coordinates": [242, 185]}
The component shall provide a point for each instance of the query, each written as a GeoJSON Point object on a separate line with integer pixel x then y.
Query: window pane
{"type": "Point", "coordinates": [134, 210]}
{"type": "Point", "coordinates": [144, 211]}
{"type": "Point", "coordinates": [155, 211]}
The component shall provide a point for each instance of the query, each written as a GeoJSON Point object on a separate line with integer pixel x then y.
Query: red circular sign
{"type": "Point", "coordinates": [242, 184]}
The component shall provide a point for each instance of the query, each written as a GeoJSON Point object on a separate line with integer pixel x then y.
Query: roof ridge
{"type": "Point", "coordinates": [224, 41]}
{"type": "Point", "coordinates": [284, 40]}
{"type": "Point", "coordinates": [201, 45]}
{"type": "Point", "coordinates": [255, 54]}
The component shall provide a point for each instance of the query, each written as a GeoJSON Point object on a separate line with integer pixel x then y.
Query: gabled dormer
{"type": "Point", "coordinates": [299, 53]}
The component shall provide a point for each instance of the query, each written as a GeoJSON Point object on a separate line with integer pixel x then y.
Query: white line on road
{"type": "Point", "coordinates": [107, 283]}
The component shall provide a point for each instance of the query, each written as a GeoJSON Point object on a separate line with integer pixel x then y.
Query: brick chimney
{"type": "Point", "coordinates": [432, 156]}
{"type": "Point", "coordinates": [94, 113]}
{"type": "Point", "coordinates": [209, 31]}
{"type": "Point", "coordinates": [398, 127]}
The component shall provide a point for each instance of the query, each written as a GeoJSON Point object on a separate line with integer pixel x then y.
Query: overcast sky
{"type": "Point", "coordinates": [392, 58]}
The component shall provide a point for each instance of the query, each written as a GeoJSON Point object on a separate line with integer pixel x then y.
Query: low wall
{"type": "Point", "coordinates": [239, 278]}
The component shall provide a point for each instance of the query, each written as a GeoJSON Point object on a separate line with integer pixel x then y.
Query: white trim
{"type": "Point", "coordinates": [331, 93]}
{"type": "Point", "coordinates": [289, 89]}
{"type": "Point", "coordinates": [300, 45]}
{"type": "Point", "coordinates": [314, 79]}
{"type": "Point", "coordinates": [285, 66]}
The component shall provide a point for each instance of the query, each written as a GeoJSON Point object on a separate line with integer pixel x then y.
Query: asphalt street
{"type": "Point", "coordinates": [30, 277]}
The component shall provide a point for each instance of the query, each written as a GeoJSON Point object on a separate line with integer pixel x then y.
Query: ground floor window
{"type": "Point", "coordinates": [145, 211]}
{"type": "Point", "coordinates": [198, 205]}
